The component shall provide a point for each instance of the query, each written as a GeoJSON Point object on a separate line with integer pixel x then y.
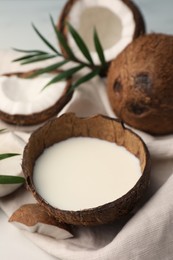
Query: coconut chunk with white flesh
{"type": "Point", "coordinates": [116, 22]}
{"type": "Point", "coordinates": [25, 96]}
{"type": "Point", "coordinates": [35, 219]}
{"type": "Point", "coordinates": [24, 102]}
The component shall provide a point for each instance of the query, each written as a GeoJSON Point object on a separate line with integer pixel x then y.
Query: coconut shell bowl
{"type": "Point", "coordinates": [100, 128]}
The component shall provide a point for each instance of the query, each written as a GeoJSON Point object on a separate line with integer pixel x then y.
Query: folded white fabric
{"type": "Point", "coordinates": [146, 233]}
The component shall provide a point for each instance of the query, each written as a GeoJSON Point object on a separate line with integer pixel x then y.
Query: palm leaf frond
{"type": "Point", "coordinates": [80, 43]}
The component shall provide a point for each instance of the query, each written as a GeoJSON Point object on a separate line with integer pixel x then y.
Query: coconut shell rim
{"type": "Point", "coordinates": [78, 217]}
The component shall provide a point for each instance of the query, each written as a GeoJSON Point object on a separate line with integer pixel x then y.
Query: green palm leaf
{"type": "Point", "coordinates": [8, 179]}
{"type": "Point", "coordinates": [38, 58]}
{"type": "Point", "coordinates": [62, 40]}
{"type": "Point", "coordinates": [30, 51]}
{"type": "Point", "coordinates": [84, 79]}
{"type": "Point", "coordinates": [80, 43]}
{"type": "Point", "coordinates": [7, 155]}
{"type": "Point", "coordinates": [99, 49]}
{"type": "Point", "coordinates": [37, 55]}
{"type": "Point", "coordinates": [26, 57]}
{"type": "Point", "coordinates": [45, 41]}
{"type": "Point", "coordinates": [65, 75]}
{"type": "Point", "coordinates": [48, 68]}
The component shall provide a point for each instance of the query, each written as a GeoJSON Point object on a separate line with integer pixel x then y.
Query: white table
{"type": "Point", "coordinates": [16, 31]}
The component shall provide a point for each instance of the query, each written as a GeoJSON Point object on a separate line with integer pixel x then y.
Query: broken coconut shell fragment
{"type": "Point", "coordinates": [34, 218]}
{"type": "Point", "coordinates": [117, 22]}
{"type": "Point", "coordinates": [140, 84]}
{"type": "Point", "coordinates": [25, 103]}
{"type": "Point", "coordinates": [102, 128]}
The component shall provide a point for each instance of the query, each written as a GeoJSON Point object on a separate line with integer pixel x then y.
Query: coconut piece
{"type": "Point", "coordinates": [101, 127]}
{"type": "Point", "coordinates": [10, 143]}
{"type": "Point", "coordinates": [23, 102]}
{"type": "Point", "coordinates": [117, 22]}
{"type": "Point", "coordinates": [34, 218]}
{"type": "Point", "coordinates": [140, 84]}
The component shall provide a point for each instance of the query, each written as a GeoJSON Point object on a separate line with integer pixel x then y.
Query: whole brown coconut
{"type": "Point", "coordinates": [140, 84]}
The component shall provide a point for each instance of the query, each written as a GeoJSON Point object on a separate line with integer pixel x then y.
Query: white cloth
{"type": "Point", "coordinates": [145, 234]}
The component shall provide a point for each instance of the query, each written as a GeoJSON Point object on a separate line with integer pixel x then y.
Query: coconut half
{"type": "Point", "coordinates": [100, 127]}
{"type": "Point", "coordinates": [25, 103]}
{"type": "Point", "coordinates": [117, 22]}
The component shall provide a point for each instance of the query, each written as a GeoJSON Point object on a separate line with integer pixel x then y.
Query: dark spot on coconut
{"type": "Point", "coordinates": [117, 86]}
{"type": "Point", "coordinates": [137, 108]}
{"type": "Point", "coordinates": [143, 82]}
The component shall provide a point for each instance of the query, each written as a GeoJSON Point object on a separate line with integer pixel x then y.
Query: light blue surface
{"type": "Point", "coordinates": [157, 14]}
{"type": "Point", "coordinates": [16, 17]}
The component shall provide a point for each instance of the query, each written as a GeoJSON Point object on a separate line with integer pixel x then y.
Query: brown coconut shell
{"type": "Point", "coordinates": [140, 84]}
{"type": "Point", "coordinates": [32, 214]}
{"type": "Point", "coordinates": [39, 117]}
{"type": "Point", "coordinates": [101, 127]}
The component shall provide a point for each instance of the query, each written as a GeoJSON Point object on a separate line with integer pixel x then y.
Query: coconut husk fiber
{"type": "Point", "coordinates": [140, 84]}
{"type": "Point", "coordinates": [101, 127]}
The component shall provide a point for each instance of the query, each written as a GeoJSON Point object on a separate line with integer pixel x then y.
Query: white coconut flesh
{"type": "Point", "coordinates": [26, 96]}
{"type": "Point", "coordinates": [45, 229]}
{"type": "Point", "coordinates": [113, 20]}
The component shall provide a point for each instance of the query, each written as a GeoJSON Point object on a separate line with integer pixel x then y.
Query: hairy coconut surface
{"type": "Point", "coordinates": [30, 107]}
{"type": "Point", "coordinates": [101, 127]}
{"type": "Point", "coordinates": [117, 22]}
{"type": "Point", "coordinates": [140, 84]}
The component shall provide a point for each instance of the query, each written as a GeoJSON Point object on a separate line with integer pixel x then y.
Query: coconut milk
{"type": "Point", "coordinates": [82, 172]}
